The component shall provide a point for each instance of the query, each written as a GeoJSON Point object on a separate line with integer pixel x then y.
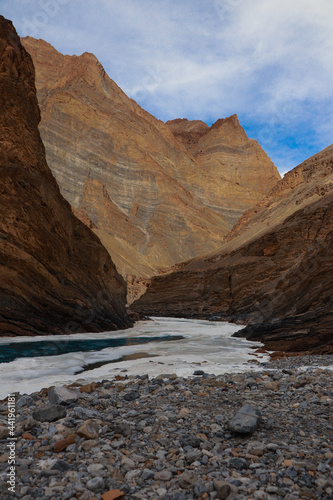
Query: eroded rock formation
{"type": "Point", "coordinates": [56, 277]}
{"type": "Point", "coordinates": [275, 272]}
{"type": "Point", "coordinates": [234, 169]}
{"type": "Point", "coordinates": [127, 176]}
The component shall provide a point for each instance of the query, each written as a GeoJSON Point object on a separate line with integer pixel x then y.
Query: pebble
{"type": "Point", "coordinates": [263, 435]}
{"type": "Point", "coordinates": [96, 484]}
{"type": "Point", "coordinates": [163, 475]}
{"type": "Point", "coordinates": [4, 431]}
{"type": "Point", "coordinates": [223, 489]}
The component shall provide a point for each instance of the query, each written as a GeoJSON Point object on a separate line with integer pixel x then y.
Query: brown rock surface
{"type": "Point", "coordinates": [123, 171]}
{"type": "Point", "coordinates": [234, 169]}
{"type": "Point", "coordinates": [64, 443]}
{"type": "Point", "coordinates": [276, 272]}
{"type": "Point", "coordinates": [89, 429]}
{"type": "Point", "coordinates": [116, 164]}
{"type": "Point", "coordinates": [112, 495]}
{"type": "Point", "coordinates": [56, 276]}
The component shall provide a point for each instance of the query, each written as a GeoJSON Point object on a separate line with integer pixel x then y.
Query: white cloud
{"type": "Point", "coordinates": [269, 61]}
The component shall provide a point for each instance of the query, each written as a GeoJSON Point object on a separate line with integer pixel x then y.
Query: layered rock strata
{"type": "Point", "coordinates": [234, 169]}
{"type": "Point", "coordinates": [124, 172]}
{"type": "Point", "coordinates": [56, 277]}
{"type": "Point", "coordinates": [276, 271]}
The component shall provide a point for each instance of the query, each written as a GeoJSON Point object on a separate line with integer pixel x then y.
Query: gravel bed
{"type": "Point", "coordinates": [263, 435]}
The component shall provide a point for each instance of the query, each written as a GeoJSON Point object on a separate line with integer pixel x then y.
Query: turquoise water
{"type": "Point", "coordinates": [10, 352]}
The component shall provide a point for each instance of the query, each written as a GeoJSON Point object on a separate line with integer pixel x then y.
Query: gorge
{"type": "Point", "coordinates": [108, 216]}
{"type": "Point", "coordinates": [201, 207]}
{"type": "Point", "coordinates": [154, 194]}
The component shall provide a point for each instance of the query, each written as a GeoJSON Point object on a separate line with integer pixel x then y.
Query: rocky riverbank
{"type": "Point", "coordinates": [173, 438]}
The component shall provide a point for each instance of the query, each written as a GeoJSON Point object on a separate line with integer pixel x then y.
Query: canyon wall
{"type": "Point", "coordinates": [56, 277]}
{"type": "Point", "coordinates": [126, 175]}
{"type": "Point", "coordinates": [275, 272]}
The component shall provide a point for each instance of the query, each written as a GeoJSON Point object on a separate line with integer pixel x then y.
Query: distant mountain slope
{"type": "Point", "coordinates": [276, 270]}
{"type": "Point", "coordinates": [55, 275]}
{"type": "Point", "coordinates": [123, 171]}
{"type": "Point", "coordinates": [234, 169]}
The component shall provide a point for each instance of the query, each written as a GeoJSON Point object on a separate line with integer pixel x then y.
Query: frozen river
{"type": "Point", "coordinates": [162, 345]}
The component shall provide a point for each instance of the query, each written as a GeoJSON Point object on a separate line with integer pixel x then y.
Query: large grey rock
{"type": "Point", "coordinates": [25, 401]}
{"type": "Point", "coordinates": [61, 396]}
{"type": "Point", "coordinates": [49, 413]}
{"type": "Point", "coordinates": [245, 421]}
{"type": "Point", "coordinates": [131, 396]}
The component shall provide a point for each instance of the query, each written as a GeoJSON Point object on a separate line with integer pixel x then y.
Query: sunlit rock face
{"type": "Point", "coordinates": [276, 270]}
{"type": "Point", "coordinates": [127, 176]}
{"type": "Point", "coordinates": [56, 277]}
{"type": "Point", "coordinates": [234, 169]}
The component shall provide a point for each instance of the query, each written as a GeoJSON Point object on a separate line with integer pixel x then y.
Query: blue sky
{"type": "Point", "coordinates": [269, 61]}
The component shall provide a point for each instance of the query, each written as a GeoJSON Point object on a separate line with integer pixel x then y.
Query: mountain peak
{"type": "Point", "coordinates": [230, 120]}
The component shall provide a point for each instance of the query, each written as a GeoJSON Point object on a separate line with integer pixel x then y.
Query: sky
{"type": "Point", "coordinates": [269, 61]}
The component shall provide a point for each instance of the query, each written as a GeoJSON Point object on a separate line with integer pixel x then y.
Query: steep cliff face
{"type": "Point", "coordinates": [56, 277]}
{"type": "Point", "coordinates": [97, 139]}
{"type": "Point", "coordinates": [275, 272]}
{"type": "Point", "coordinates": [235, 170]}
{"type": "Point", "coordinates": [142, 190]}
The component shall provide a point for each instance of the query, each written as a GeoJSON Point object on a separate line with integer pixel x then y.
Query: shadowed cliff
{"type": "Point", "coordinates": [56, 277]}
{"type": "Point", "coordinates": [275, 272]}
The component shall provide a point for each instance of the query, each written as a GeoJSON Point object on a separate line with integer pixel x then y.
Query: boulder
{"type": "Point", "coordinates": [245, 421]}
{"type": "Point", "coordinates": [62, 396]}
{"type": "Point", "coordinates": [49, 413]}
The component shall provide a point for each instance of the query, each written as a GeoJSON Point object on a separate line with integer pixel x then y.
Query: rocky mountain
{"type": "Point", "coordinates": [127, 176]}
{"type": "Point", "coordinates": [234, 169]}
{"type": "Point", "coordinates": [56, 277]}
{"type": "Point", "coordinates": [275, 272]}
